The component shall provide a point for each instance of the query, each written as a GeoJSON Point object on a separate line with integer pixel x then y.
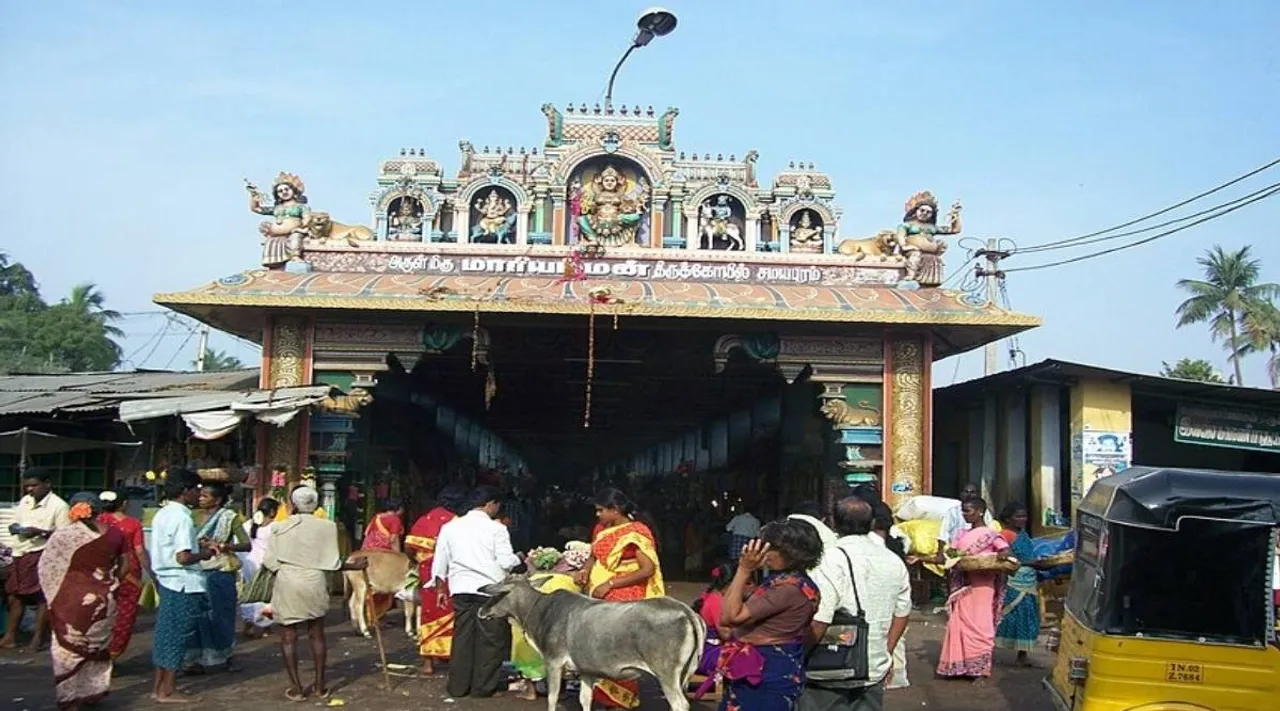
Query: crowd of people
{"type": "Point", "coordinates": [807, 612]}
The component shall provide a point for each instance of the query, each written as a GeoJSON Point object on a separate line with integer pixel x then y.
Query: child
{"type": "Point", "coordinates": [708, 606]}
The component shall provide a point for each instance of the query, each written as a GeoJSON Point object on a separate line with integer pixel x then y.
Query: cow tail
{"type": "Point", "coordinates": [700, 640]}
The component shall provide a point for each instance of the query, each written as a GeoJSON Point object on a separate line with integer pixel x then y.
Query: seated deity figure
{"type": "Point", "coordinates": [497, 221]}
{"type": "Point", "coordinates": [609, 215]}
{"type": "Point", "coordinates": [805, 236]}
{"type": "Point", "coordinates": [406, 223]}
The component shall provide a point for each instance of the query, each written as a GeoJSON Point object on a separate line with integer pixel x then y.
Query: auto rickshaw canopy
{"type": "Point", "coordinates": [1158, 497]}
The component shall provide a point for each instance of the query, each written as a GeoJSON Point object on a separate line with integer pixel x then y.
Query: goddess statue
{"type": "Point", "coordinates": [917, 238]}
{"type": "Point", "coordinates": [717, 224]}
{"type": "Point", "coordinates": [406, 224]}
{"type": "Point", "coordinates": [282, 236]}
{"type": "Point", "coordinates": [805, 236]}
{"type": "Point", "coordinates": [497, 220]}
{"type": "Point", "coordinates": [609, 214]}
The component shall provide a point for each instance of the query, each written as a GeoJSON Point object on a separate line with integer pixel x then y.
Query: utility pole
{"type": "Point", "coordinates": [991, 272]}
{"type": "Point", "coordinates": [203, 347]}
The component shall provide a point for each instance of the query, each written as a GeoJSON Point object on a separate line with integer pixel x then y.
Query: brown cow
{"type": "Point", "coordinates": [388, 573]}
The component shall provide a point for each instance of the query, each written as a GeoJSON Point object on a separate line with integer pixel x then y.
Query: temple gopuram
{"type": "Point", "coordinates": [603, 306]}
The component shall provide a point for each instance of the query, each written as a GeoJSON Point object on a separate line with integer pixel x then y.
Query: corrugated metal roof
{"type": "Point", "coordinates": [96, 392]}
{"type": "Point", "coordinates": [136, 381]}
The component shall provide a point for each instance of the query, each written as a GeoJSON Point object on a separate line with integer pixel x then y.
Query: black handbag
{"type": "Point", "coordinates": [846, 644]}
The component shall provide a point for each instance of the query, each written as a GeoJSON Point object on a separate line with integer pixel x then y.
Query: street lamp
{"type": "Point", "coordinates": [654, 22]}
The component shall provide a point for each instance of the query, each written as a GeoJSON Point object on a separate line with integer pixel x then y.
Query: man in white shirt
{"type": "Point", "coordinates": [953, 521]}
{"type": "Point", "coordinates": [884, 591]}
{"type": "Point", "coordinates": [742, 528]}
{"type": "Point", "coordinates": [473, 551]}
{"type": "Point", "coordinates": [38, 514]}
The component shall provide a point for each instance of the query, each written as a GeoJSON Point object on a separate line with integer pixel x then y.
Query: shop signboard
{"type": "Point", "coordinates": [1235, 428]}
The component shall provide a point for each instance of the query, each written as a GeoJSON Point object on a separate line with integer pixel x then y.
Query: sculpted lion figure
{"type": "Point", "coordinates": [881, 245]}
{"type": "Point", "coordinates": [324, 227]}
{"type": "Point", "coordinates": [347, 404]}
{"type": "Point", "coordinates": [843, 415]}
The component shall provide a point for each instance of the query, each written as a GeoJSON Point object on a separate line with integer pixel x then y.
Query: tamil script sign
{"type": "Point", "coordinates": [1238, 429]}
{"type": "Point", "coordinates": [723, 272]}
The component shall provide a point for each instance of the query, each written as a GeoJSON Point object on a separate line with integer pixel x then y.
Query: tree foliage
{"type": "Point", "coordinates": [216, 360]}
{"type": "Point", "coordinates": [1196, 369]}
{"type": "Point", "coordinates": [1229, 298]}
{"type": "Point", "coordinates": [75, 334]}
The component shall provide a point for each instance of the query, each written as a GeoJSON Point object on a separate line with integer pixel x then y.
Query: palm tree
{"type": "Point", "coordinates": [216, 360]}
{"type": "Point", "coordinates": [1261, 332]}
{"type": "Point", "coordinates": [1226, 298]}
{"type": "Point", "coordinates": [88, 300]}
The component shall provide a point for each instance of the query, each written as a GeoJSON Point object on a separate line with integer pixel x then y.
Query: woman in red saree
{"type": "Point", "coordinates": [79, 571]}
{"type": "Point", "coordinates": [435, 621]}
{"type": "Point", "coordinates": [383, 534]}
{"type": "Point", "coordinates": [973, 608]}
{"type": "Point", "coordinates": [130, 590]}
{"type": "Point", "coordinates": [623, 567]}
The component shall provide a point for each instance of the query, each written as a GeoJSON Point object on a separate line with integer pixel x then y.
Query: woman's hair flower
{"type": "Point", "coordinates": [81, 512]}
{"type": "Point", "coordinates": [259, 518]}
{"type": "Point", "coordinates": [108, 496]}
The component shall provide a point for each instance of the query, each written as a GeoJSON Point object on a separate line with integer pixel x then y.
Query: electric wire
{"type": "Point", "coordinates": [1163, 211]}
{"type": "Point", "coordinates": [178, 352]}
{"type": "Point", "coordinates": [1146, 240]}
{"type": "Point", "coordinates": [1130, 233]}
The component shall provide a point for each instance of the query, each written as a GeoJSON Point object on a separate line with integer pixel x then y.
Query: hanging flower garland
{"type": "Point", "coordinates": [575, 263]}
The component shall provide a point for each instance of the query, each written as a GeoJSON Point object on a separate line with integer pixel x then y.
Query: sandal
{"type": "Point", "coordinates": [296, 697]}
{"type": "Point", "coordinates": [322, 694]}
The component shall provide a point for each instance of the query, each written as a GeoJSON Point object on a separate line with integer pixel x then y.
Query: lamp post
{"type": "Point", "coordinates": [654, 22]}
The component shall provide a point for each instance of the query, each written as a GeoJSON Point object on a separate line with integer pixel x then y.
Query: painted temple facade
{"type": "Point", "coordinates": [607, 217]}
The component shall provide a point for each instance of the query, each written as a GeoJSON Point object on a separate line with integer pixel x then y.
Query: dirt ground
{"type": "Point", "coordinates": [354, 674]}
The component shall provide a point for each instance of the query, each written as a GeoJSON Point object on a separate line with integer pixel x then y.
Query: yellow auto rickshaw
{"type": "Point", "coordinates": [1170, 606]}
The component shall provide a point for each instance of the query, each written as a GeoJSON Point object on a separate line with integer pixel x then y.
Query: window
{"type": "Point", "coordinates": [73, 472]}
{"type": "Point", "coordinates": [1087, 594]}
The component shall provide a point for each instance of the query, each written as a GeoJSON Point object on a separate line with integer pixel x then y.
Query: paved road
{"type": "Point", "coordinates": [354, 674]}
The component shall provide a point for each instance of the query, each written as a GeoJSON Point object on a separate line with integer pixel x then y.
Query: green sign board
{"type": "Point", "coordinates": [1237, 429]}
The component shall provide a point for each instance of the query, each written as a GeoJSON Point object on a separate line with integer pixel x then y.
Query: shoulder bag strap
{"type": "Point", "coordinates": [852, 580]}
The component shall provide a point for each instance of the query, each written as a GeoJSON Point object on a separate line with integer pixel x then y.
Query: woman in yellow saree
{"type": "Point", "coordinates": [623, 568]}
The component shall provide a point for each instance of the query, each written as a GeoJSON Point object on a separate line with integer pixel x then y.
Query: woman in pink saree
{"type": "Point", "coordinates": [973, 607]}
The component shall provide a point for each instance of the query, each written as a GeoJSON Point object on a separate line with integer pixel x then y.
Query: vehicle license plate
{"type": "Point", "coordinates": [1184, 673]}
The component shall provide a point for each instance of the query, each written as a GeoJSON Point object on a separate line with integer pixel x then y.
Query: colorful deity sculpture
{"type": "Point", "coordinates": [917, 238]}
{"type": "Point", "coordinates": [806, 236]}
{"type": "Point", "coordinates": [406, 223]}
{"type": "Point", "coordinates": [497, 221]}
{"type": "Point", "coordinates": [610, 214]}
{"type": "Point", "coordinates": [282, 236]}
{"type": "Point", "coordinates": [716, 225]}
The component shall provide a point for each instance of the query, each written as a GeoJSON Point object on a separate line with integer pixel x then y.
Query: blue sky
{"type": "Point", "coordinates": [128, 126]}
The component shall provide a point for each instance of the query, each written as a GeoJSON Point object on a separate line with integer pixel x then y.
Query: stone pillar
{"type": "Point", "coordinates": [677, 205]}
{"type": "Point", "coordinates": [656, 222]}
{"type": "Point", "coordinates": [691, 229]}
{"type": "Point", "coordinates": [828, 239]}
{"type": "Point", "coordinates": [907, 368]}
{"type": "Point", "coordinates": [784, 237]}
{"type": "Point", "coordinates": [540, 211]}
{"type": "Point", "coordinates": [522, 225]}
{"type": "Point", "coordinates": [557, 221]}
{"type": "Point", "coordinates": [753, 233]}
{"type": "Point", "coordinates": [462, 219]}
{"type": "Point", "coordinates": [286, 363]}
{"type": "Point", "coordinates": [1101, 433]}
{"type": "Point", "coordinates": [1046, 463]}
